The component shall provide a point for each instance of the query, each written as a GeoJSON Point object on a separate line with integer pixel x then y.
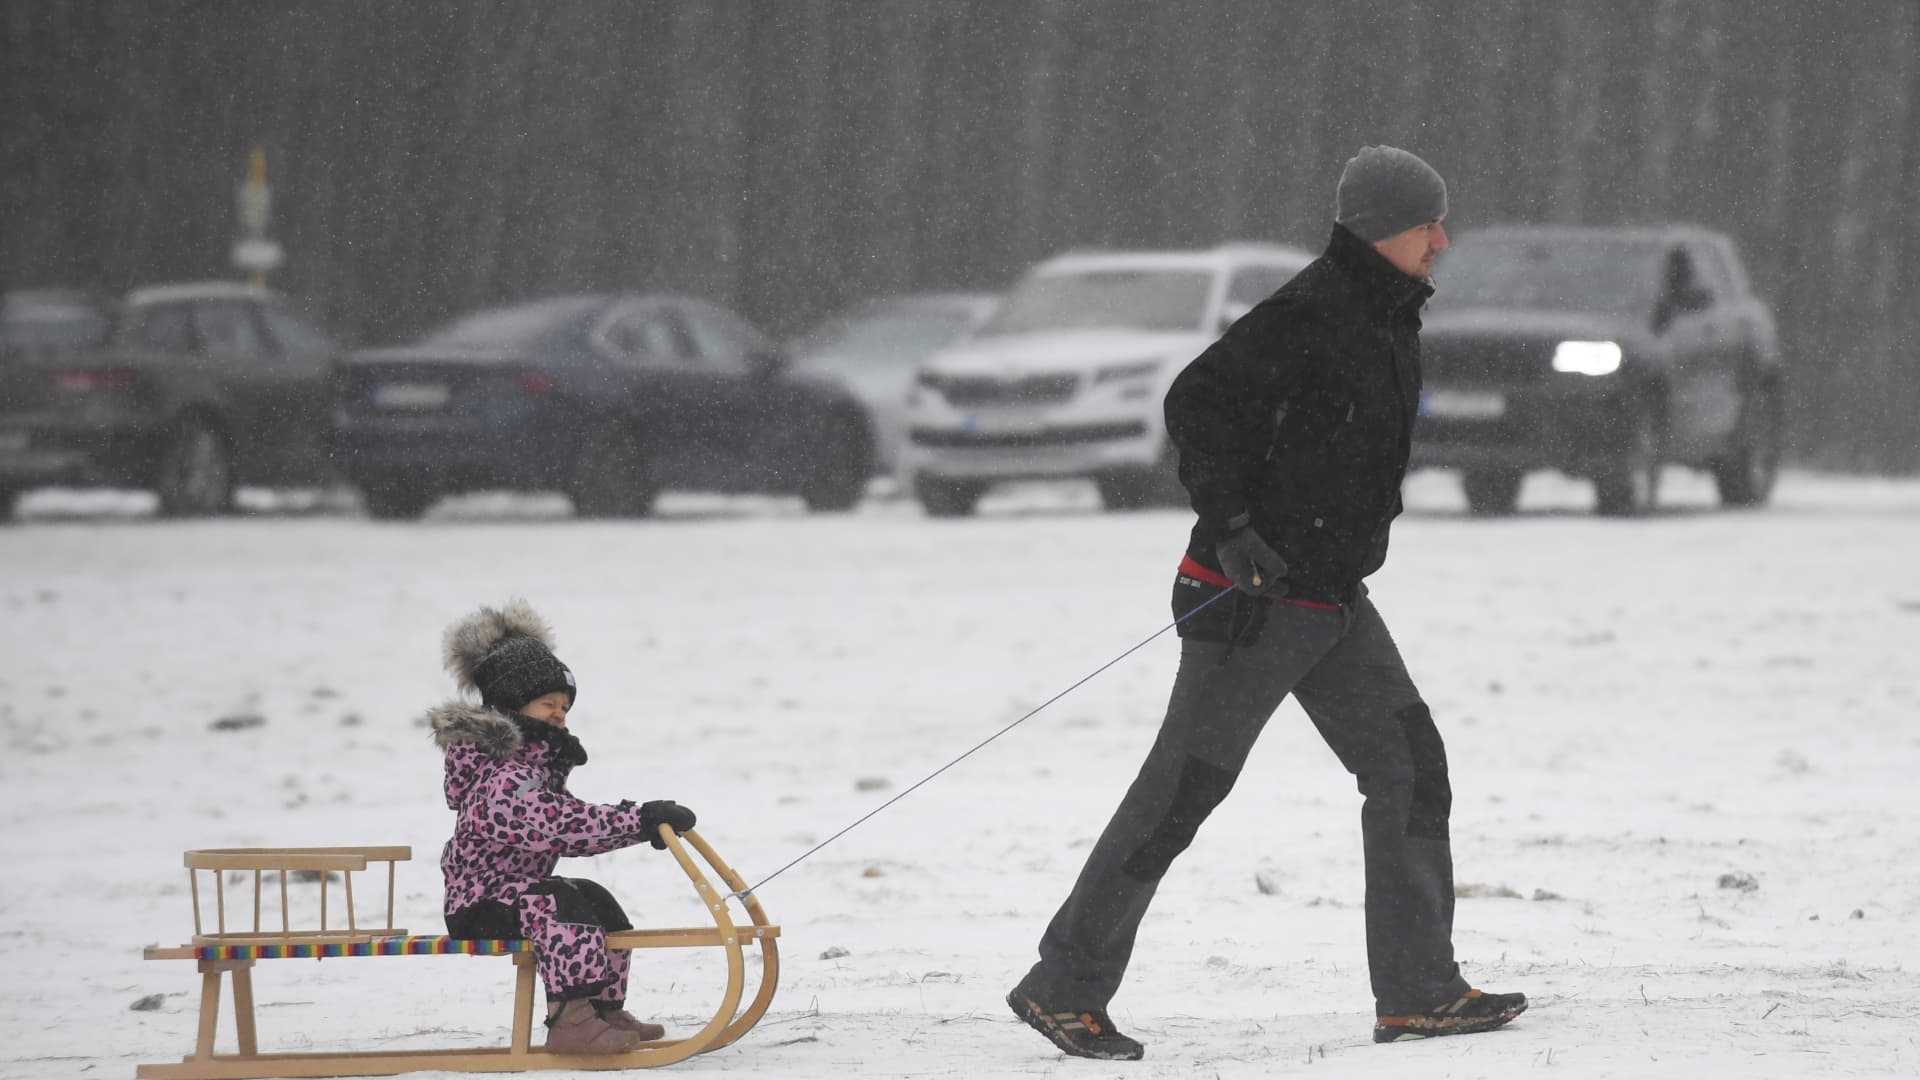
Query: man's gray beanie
{"type": "Point", "coordinates": [1385, 191]}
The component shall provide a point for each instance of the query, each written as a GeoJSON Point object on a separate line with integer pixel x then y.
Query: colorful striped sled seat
{"type": "Point", "coordinates": [408, 945]}
{"type": "Point", "coordinates": [299, 882]}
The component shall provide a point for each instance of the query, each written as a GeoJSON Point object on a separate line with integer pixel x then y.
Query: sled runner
{"type": "Point", "coordinates": [232, 953]}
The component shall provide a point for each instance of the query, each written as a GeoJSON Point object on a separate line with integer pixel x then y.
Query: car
{"type": "Point", "coordinates": [611, 398]}
{"type": "Point", "coordinates": [1067, 377]}
{"type": "Point", "coordinates": [874, 348]}
{"type": "Point", "coordinates": [199, 386]}
{"type": "Point", "coordinates": [1605, 353]}
{"type": "Point", "coordinates": [39, 321]}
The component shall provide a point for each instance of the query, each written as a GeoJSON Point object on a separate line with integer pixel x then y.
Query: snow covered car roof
{"type": "Point", "coordinates": [199, 290]}
{"type": "Point", "coordinates": [1222, 257]}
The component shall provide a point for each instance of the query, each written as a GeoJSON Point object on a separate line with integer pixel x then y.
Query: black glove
{"type": "Point", "coordinates": [1254, 567]}
{"type": "Point", "coordinates": [664, 812]}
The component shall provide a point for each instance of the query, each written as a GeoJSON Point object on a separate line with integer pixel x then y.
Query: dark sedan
{"type": "Point", "coordinates": [611, 399]}
{"type": "Point", "coordinates": [199, 387]}
{"type": "Point", "coordinates": [1606, 353]}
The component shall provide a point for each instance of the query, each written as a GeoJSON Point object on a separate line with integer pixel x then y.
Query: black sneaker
{"type": "Point", "coordinates": [1470, 1012]}
{"type": "Point", "coordinates": [1088, 1034]}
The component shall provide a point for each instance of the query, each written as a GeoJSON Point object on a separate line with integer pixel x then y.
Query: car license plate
{"type": "Point", "coordinates": [1463, 404]}
{"type": "Point", "coordinates": [410, 395]}
{"type": "Point", "coordinates": [1002, 423]}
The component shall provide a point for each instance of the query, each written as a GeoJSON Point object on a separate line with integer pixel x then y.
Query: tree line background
{"type": "Point", "coordinates": [788, 156]}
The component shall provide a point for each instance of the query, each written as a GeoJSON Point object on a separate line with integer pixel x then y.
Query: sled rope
{"type": "Point", "coordinates": [749, 891]}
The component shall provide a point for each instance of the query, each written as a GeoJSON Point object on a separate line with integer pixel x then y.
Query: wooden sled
{"type": "Point", "coordinates": [232, 953]}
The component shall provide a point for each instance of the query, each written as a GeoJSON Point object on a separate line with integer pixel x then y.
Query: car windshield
{"type": "Point", "coordinates": [47, 324]}
{"type": "Point", "coordinates": [878, 334]}
{"type": "Point", "coordinates": [522, 326]}
{"type": "Point", "coordinates": [1602, 275]}
{"type": "Point", "coordinates": [1105, 299]}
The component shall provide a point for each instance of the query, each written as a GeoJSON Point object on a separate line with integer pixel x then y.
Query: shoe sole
{"type": "Point", "coordinates": [1470, 1027]}
{"type": "Point", "coordinates": [1025, 1008]}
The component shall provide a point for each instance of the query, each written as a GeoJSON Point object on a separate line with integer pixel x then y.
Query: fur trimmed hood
{"type": "Point", "coordinates": [490, 731]}
{"type": "Point", "coordinates": [498, 735]}
{"type": "Point", "coordinates": [480, 742]}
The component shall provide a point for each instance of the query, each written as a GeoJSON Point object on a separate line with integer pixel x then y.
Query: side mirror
{"type": "Point", "coordinates": [1682, 299]}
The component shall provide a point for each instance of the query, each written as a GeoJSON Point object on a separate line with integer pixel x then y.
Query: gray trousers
{"type": "Point", "coordinates": [1346, 672]}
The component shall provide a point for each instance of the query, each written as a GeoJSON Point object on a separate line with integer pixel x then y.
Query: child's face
{"type": "Point", "coordinates": [551, 708]}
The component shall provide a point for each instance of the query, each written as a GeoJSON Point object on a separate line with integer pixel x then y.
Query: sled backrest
{"type": "Point", "coordinates": [302, 878]}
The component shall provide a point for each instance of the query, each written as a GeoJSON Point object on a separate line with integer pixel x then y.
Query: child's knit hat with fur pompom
{"type": "Point", "coordinates": [507, 655]}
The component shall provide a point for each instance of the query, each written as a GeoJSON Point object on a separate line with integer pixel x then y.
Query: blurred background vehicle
{"type": "Point", "coordinates": [51, 320]}
{"type": "Point", "coordinates": [610, 398]}
{"type": "Point", "coordinates": [874, 348]}
{"type": "Point", "coordinates": [198, 387]}
{"type": "Point", "coordinates": [1605, 353]}
{"type": "Point", "coordinates": [1066, 379]}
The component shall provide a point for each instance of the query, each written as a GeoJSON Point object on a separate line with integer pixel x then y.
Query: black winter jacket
{"type": "Point", "coordinates": [1299, 420]}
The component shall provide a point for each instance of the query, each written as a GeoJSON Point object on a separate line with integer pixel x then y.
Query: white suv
{"type": "Point", "coordinates": [1067, 378]}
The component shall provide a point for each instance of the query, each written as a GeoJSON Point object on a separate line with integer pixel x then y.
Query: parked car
{"type": "Point", "coordinates": [1067, 377]}
{"type": "Point", "coordinates": [39, 321]}
{"type": "Point", "coordinates": [608, 398]}
{"type": "Point", "coordinates": [875, 347]}
{"type": "Point", "coordinates": [1605, 353]}
{"type": "Point", "coordinates": [199, 387]}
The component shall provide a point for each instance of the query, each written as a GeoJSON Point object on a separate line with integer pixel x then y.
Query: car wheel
{"type": "Point", "coordinates": [1492, 492]}
{"type": "Point", "coordinates": [945, 498]}
{"type": "Point", "coordinates": [1746, 475]}
{"type": "Point", "coordinates": [839, 475]}
{"type": "Point", "coordinates": [398, 498]}
{"type": "Point", "coordinates": [195, 473]}
{"type": "Point", "coordinates": [612, 478]}
{"type": "Point", "coordinates": [1628, 485]}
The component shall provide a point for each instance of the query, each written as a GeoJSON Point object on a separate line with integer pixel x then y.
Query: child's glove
{"type": "Point", "coordinates": [664, 812]}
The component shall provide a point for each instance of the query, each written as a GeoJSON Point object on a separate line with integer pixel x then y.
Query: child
{"type": "Point", "coordinates": [507, 762]}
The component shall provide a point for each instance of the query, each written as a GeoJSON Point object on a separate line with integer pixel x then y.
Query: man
{"type": "Point", "coordinates": [1293, 431]}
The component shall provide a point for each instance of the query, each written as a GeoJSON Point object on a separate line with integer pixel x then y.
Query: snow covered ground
{"type": "Point", "coordinates": [1684, 756]}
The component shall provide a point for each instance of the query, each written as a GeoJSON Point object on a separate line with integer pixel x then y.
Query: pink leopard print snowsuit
{"type": "Point", "coordinates": [506, 779]}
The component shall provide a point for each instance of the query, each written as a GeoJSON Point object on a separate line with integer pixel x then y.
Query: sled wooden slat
{"type": "Point", "coordinates": [352, 946]}
{"type": "Point", "coordinates": [232, 956]}
{"type": "Point", "coordinates": [318, 864]}
{"type": "Point", "coordinates": [321, 858]}
{"type": "Point", "coordinates": [394, 1062]}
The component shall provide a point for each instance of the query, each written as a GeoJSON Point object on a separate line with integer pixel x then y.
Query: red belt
{"type": "Point", "coordinates": [1194, 570]}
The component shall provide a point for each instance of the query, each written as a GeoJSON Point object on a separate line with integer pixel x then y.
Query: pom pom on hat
{"type": "Point", "coordinates": [507, 655]}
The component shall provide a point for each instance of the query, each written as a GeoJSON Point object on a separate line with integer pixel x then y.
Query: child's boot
{"type": "Point", "coordinates": [626, 1021]}
{"type": "Point", "coordinates": [578, 1029]}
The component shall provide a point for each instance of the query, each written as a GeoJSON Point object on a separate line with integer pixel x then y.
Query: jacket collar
{"type": "Point", "coordinates": [1378, 277]}
{"type": "Point", "coordinates": [499, 735]}
{"type": "Point", "coordinates": [556, 744]}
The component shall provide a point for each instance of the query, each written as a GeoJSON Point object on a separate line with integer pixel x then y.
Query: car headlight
{"type": "Point", "coordinates": [1138, 369]}
{"type": "Point", "coordinates": [1587, 357]}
